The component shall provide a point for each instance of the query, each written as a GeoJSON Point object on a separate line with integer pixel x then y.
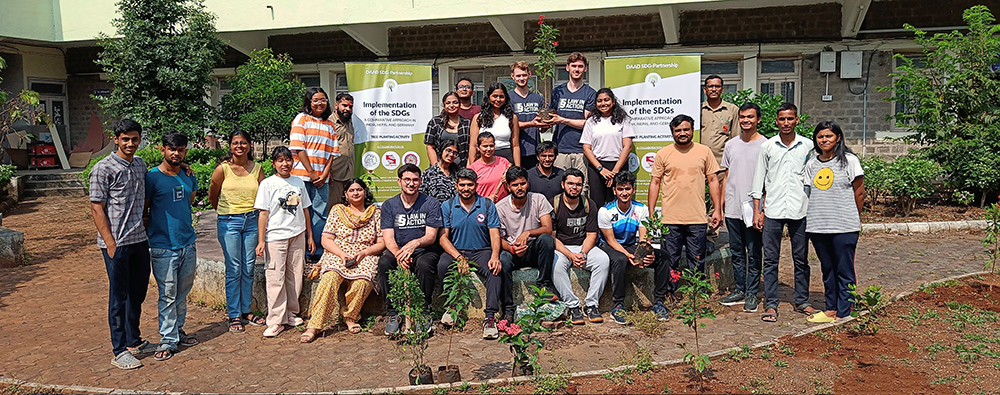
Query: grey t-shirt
{"type": "Point", "coordinates": [740, 160]}
{"type": "Point", "coordinates": [513, 222]}
{"type": "Point", "coordinates": [832, 208]}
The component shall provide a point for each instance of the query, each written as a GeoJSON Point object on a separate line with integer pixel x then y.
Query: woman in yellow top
{"type": "Point", "coordinates": [352, 242]}
{"type": "Point", "coordinates": [231, 193]}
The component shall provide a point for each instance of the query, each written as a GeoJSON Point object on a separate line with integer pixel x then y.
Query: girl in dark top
{"type": "Point", "coordinates": [448, 126]}
{"type": "Point", "coordinates": [439, 179]}
{"type": "Point", "coordinates": [497, 117]}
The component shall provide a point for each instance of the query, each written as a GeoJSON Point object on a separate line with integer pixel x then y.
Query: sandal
{"type": "Point", "coordinates": [236, 325]}
{"type": "Point", "coordinates": [770, 316]}
{"type": "Point", "coordinates": [806, 309]}
{"type": "Point", "coordinates": [142, 348]}
{"type": "Point", "coordinates": [163, 354]}
{"type": "Point", "coordinates": [308, 336]}
{"type": "Point", "coordinates": [186, 339]}
{"type": "Point", "coordinates": [254, 319]}
{"type": "Point", "coordinates": [353, 327]}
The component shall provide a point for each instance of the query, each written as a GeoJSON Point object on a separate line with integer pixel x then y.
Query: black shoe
{"type": "Point", "coordinates": [576, 316]}
{"type": "Point", "coordinates": [392, 325]}
{"type": "Point", "coordinates": [751, 303]}
{"type": "Point", "coordinates": [593, 314]}
{"type": "Point", "coordinates": [509, 316]}
{"type": "Point", "coordinates": [733, 299]}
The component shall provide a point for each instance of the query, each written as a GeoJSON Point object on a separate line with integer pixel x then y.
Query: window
{"type": "Point", "coordinates": [477, 81]}
{"type": "Point", "coordinates": [728, 70]}
{"type": "Point", "coordinates": [562, 76]}
{"type": "Point", "coordinates": [49, 88]}
{"type": "Point", "coordinates": [781, 77]}
{"type": "Point", "coordinates": [309, 80]}
{"type": "Point", "coordinates": [918, 61]}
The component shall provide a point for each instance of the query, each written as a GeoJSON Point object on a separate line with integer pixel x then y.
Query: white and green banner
{"type": "Point", "coordinates": [392, 105]}
{"type": "Point", "coordinates": [653, 90]}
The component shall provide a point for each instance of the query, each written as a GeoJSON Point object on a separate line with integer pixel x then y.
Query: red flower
{"type": "Point", "coordinates": [555, 43]}
{"type": "Point", "coordinates": [675, 276]}
{"type": "Point", "coordinates": [541, 20]}
{"type": "Point", "coordinates": [717, 275]}
{"type": "Point", "coordinates": [502, 325]}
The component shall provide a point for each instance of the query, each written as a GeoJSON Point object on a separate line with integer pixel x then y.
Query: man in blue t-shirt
{"type": "Point", "coordinates": [169, 194]}
{"type": "Point", "coordinates": [573, 102]}
{"type": "Point", "coordinates": [620, 223]}
{"type": "Point", "coordinates": [471, 234]}
{"type": "Point", "coordinates": [410, 222]}
{"type": "Point", "coordinates": [526, 105]}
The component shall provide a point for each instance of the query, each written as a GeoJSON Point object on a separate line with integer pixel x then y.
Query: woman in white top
{"type": "Point", "coordinates": [497, 117]}
{"type": "Point", "coordinates": [607, 142]}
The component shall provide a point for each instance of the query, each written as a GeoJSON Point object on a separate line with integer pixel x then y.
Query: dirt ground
{"type": "Point", "coordinates": [888, 212]}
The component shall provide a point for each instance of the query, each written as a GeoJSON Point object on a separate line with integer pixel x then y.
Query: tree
{"type": "Point", "coordinates": [264, 99]}
{"type": "Point", "coordinates": [160, 65]}
{"type": "Point", "coordinates": [953, 100]}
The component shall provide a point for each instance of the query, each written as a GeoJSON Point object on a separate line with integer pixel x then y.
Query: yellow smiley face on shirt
{"type": "Point", "coordinates": [823, 179]}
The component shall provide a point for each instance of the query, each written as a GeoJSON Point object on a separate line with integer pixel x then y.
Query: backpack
{"type": "Point", "coordinates": [557, 201]}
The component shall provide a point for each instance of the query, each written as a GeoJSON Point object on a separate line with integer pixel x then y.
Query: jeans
{"type": "Point", "coordinates": [318, 211]}
{"type": "Point", "coordinates": [599, 266]}
{"type": "Point", "coordinates": [836, 259]}
{"type": "Point", "coordinates": [494, 282]}
{"type": "Point", "coordinates": [424, 265]}
{"type": "Point", "coordinates": [174, 272]}
{"type": "Point", "coordinates": [238, 237]}
{"type": "Point", "coordinates": [692, 237]}
{"type": "Point", "coordinates": [771, 236]}
{"type": "Point", "coordinates": [745, 244]}
{"type": "Point", "coordinates": [620, 262]}
{"type": "Point", "coordinates": [128, 277]}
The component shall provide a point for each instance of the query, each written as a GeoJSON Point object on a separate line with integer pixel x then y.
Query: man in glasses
{"type": "Point", "coordinates": [465, 89]}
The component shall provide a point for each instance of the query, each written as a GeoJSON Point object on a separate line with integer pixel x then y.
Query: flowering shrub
{"type": "Point", "coordinates": [520, 333]}
{"type": "Point", "coordinates": [875, 177]}
{"type": "Point", "coordinates": [545, 46]}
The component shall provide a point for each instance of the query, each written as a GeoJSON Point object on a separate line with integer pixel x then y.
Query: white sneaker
{"type": "Point", "coordinates": [447, 320]}
{"type": "Point", "coordinates": [273, 330]}
{"type": "Point", "coordinates": [298, 321]}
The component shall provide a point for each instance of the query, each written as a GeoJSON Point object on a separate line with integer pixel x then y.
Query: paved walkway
{"type": "Point", "coordinates": [53, 325]}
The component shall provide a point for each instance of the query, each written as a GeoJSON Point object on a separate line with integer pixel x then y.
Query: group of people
{"type": "Point", "coordinates": [495, 197]}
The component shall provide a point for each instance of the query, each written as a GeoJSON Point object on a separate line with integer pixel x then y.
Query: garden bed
{"type": "Point", "coordinates": [923, 212]}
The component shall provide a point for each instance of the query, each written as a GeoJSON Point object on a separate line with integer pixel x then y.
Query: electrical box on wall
{"type": "Point", "coordinates": [827, 62]}
{"type": "Point", "coordinates": [850, 64]}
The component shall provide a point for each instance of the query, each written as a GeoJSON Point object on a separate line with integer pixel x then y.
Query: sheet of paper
{"type": "Point", "coordinates": [747, 212]}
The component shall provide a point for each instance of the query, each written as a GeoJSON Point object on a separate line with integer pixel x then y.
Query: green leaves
{"type": "Point", "coordinates": [519, 334]}
{"type": "Point", "coordinates": [459, 293]}
{"type": "Point", "coordinates": [870, 299]}
{"type": "Point", "coordinates": [546, 41]}
{"type": "Point", "coordinates": [911, 177]}
{"type": "Point", "coordinates": [768, 111]}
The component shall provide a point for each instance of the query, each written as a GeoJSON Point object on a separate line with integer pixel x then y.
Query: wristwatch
{"type": "Point", "coordinates": [599, 168]}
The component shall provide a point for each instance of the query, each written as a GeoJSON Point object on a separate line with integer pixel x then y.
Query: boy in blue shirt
{"type": "Point", "coordinates": [471, 233]}
{"type": "Point", "coordinates": [169, 194]}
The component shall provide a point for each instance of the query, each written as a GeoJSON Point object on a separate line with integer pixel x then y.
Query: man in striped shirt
{"type": "Point", "coordinates": [313, 140]}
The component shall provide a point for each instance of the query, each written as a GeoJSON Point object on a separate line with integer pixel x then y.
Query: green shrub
{"type": "Point", "coordinates": [875, 177]}
{"type": "Point", "coordinates": [6, 173]}
{"type": "Point", "coordinates": [85, 174]}
{"type": "Point", "coordinates": [910, 178]}
{"type": "Point", "coordinates": [203, 162]}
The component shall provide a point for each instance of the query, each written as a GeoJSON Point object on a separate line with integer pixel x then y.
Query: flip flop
{"type": "Point", "coordinates": [187, 340]}
{"type": "Point", "coordinates": [141, 348]}
{"type": "Point", "coordinates": [254, 319]}
{"type": "Point", "coordinates": [236, 325]}
{"type": "Point", "coordinates": [307, 337]}
{"type": "Point", "coordinates": [353, 327]}
{"type": "Point", "coordinates": [163, 354]}
{"type": "Point", "coordinates": [821, 318]}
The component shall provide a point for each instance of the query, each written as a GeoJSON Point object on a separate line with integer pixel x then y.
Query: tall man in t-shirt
{"type": "Point", "coordinates": [117, 200]}
{"type": "Point", "coordinates": [682, 168]}
{"type": "Point", "coordinates": [739, 162]}
{"type": "Point", "coordinates": [575, 234]}
{"type": "Point", "coordinates": [779, 200]}
{"type": "Point", "coordinates": [169, 194]}
{"type": "Point", "coordinates": [526, 227]}
{"type": "Point", "coordinates": [410, 222]}
{"type": "Point", "coordinates": [465, 90]}
{"type": "Point", "coordinates": [342, 168]}
{"type": "Point", "coordinates": [526, 105]}
{"type": "Point", "coordinates": [544, 178]}
{"type": "Point", "coordinates": [572, 102]}
{"type": "Point", "coordinates": [620, 223]}
{"type": "Point", "coordinates": [471, 234]}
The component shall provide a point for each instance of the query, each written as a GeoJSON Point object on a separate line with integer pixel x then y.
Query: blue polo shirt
{"type": "Point", "coordinates": [470, 230]}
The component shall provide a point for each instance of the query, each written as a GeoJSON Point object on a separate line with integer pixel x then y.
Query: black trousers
{"type": "Point", "coordinates": [600, 192]}
{"type": "Point", "coordinates": [494, 282]}
{"type": "Point", "coordinates": [128, 278]}
{"type": "Point", "coordinates": [619, 263]}
{"type": "Point", "coordinates": [424, 265]}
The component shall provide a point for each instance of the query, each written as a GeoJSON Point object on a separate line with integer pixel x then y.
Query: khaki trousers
{"type": "Point", "coordinates": [284, 278]}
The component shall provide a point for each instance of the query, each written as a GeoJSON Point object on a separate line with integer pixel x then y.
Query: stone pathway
{"type": "Point", "coordinates": [53, 325]}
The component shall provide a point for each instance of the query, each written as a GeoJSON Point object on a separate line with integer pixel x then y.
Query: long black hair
{"type": "Point", "coordinates": [486, 112]}
{"type": "Point", "coordinates": [369, 197]}
{"type": "Point", "coordinates": [444, 114]}
{"type": "Point", "coordinates": [307, 102]}
{"type": "Point", "coordinates": [840, 150]}
{"type": "Point", "coordinates": [445, 143]}
{"type": "Point", "coordinates": [618, 114]}
{"type": "Point", "coordinates": [228, 157]}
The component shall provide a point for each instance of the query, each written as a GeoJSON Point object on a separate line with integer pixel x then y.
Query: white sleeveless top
{"type": "Point", "coordinates": [501, 131]}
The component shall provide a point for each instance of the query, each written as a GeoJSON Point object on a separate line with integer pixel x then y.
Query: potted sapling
{"type": "Point", "coordinates": [404, 291]}
{"type": "Point", "coordinates": [459, 293]}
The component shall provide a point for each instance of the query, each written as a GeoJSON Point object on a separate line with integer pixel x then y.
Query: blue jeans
{"type": "Point", "coordinates": [174, 273]}
{"type": "Point", "coordinates": [318, 211]}
{"type": "Point", "coordinates": [771, 236]}
{"type": "Point", "coordinates": [238, 237]}
{"type": "Point", "coordinates": [128, 277]}
{"type": "Point", "coordinates": [745, 244]}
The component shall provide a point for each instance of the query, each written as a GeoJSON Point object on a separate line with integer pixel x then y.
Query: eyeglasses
{"type": "Point", "coordinates": [464, 87]}
{"type": "Point", "coordinates": [411, 180]}
{"type": "Point", "coordinates": [450, 151]}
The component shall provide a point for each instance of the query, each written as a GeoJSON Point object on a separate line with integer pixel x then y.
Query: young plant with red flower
{"type": "Point", "coordinates": [546, 41]}
{"type": "Point", "coordinates": [520, 333]}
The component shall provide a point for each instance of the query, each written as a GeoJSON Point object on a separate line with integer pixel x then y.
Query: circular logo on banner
{"type": "Point", "coordinates": [369, 160]}
{"type": "Point", "coordinates": [390, 160]}
{"type": "Point", "coordinates": [481, 217]}
{"type": "Point", "coordinates": [653, 78]}
{"type": "Point", "coordinates": [390, 84]}
{"type": "Point", "coordinates": [633, 162]}
{"type": "Point", "coordinates": [412, 158]}
{"type": "Point", "coordinates": [647, 161]}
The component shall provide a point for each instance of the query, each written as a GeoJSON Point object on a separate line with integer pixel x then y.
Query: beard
{"type": "Point", "coordinates": [345, 115]}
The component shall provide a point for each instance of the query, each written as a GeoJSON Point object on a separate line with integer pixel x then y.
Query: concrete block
{"type": "Point", "coordinates": [873, 228]}
{"type": "Point", "coordinates": [918, 227]}
{"type": "Point", "coordinates": [896, 228]}
{"type": "Point", "coordinates": [11, 248]}
{"type": "Point", "coordinates": [938, 226]}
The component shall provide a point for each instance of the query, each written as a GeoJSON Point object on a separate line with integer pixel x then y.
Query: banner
{"type": "Point", "coordinates": [392, 105]}
{"type": "Point", "coordinates": [653, 90]}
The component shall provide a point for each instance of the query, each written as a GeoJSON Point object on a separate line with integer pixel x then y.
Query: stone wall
{"type": "Point", "coordinates": [602, 32]}
{"type": "Point", "coordinates": [433, 40]}
{"type": "Point", "coordinates": [320, 46]}
{"type": "Point", "coordinates": [767, 24]}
